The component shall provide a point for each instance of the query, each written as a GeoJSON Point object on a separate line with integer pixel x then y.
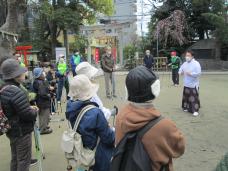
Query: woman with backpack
{"type": "Point", "coordinates": [93, 127]}
{"type": "Point", "coordinates": [20, 114]}
{"type": "Point", "coordinates": [162, 141]}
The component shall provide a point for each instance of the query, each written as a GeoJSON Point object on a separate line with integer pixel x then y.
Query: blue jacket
{"type": "Point", "coordinates": [92, 126]}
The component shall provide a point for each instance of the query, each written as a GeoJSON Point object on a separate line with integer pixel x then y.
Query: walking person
{"type": "Point", "coordinates": [43, 100]}
{"type": "Point", "coordinates": [175, 66]}
{"type": "Point", "coordinates": [62, 75]}
{"type": "Point", "coordinates": [191, 70]}
{"type": "Point", "coordinates": [20, 114]}
{"type": "Point", "coordinates": [108, 66]}
{"type": "Point", "coordinates": [93, 127]}
{"type": "Point", "coordinates": [148, 60]}
{"type": "Point", "coordinates": [75, 60]}
{"type": "Point", "coordinates": [163, 141]}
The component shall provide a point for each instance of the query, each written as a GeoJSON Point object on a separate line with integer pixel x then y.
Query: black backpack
{"type": "Point", "coordinates": [130, 154]}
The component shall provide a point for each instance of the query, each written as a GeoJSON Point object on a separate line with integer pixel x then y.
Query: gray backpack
{"type": "Point", "coordinates": [76, 154]}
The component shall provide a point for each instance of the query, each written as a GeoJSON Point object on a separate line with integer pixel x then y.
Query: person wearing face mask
{"type": "Point", "coordinates": [43, 100]}
{"type": "Point", "coordinates": [163, 141]}
{"type": "Point", "coordinates": [191, 70]}
{"type": "Point", "coordinates": [175, 65]}
{"type": "Point", "coordinates": [108, 66]}
{"type": "Point", "coordinates": [19, 58]}
{"type": "Point", "coordinates": [20, 114]}
{"type": "Point", "coordinates": [62, 75]}
{"type": "Point", "coordinates": [75, 60]}
{"type": "Point", "coordinates": [148, 60]}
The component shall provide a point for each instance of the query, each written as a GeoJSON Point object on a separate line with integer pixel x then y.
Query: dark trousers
{"type": "Point", "coordinates": [44, 119]}
{"type": "Point", "coordinates": [53, 105]}
{"type": "Point", "coordinates": [191, 101]}
{"type": "Point", "coordinates": [21, 149]}
{"type": "Point", "coordinates": [74, 73]}
{"type": "Point", "coordinates": [63, 82]}
{"type": "Point", "coordinates": [175, 76]}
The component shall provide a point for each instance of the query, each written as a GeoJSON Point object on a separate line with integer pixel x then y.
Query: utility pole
{"type": "Point", "coordinates": [142, 18]}
{"type": "Point", "coordinates": [157, 42]}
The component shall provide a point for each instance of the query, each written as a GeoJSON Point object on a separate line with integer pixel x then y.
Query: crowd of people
{"type": "Point", "coordinates": [162, 142]}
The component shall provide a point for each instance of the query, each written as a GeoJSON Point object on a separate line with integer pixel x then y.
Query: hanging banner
{"type": "Point", "coordinates": [97, 55]}
{"type": "Point", "coordinates": [60, 51]}
{"type": "Point", "coordinates": [114, 53]}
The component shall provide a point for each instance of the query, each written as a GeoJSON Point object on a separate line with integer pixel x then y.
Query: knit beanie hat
{"type": "Point", "coordinates": [142, 85]}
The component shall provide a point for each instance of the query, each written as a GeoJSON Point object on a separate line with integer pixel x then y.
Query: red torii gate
{"type": "Point", "coordinates": [24, 50]}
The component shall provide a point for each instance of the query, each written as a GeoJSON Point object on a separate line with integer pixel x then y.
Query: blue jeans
{"type": "Point", "coordinates": [63, 82]}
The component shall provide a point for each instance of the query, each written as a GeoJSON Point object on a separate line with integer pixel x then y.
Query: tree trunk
{"type": "Point", "coordinates": [3, 11]}
{"type": "Point", "coordinates": [201, 34]}
{"type": "Point", "coordinates": [9, 28]}
{"type": "Point", "coordinates": [11, 20]}
{"type": "Point", "coordinates": [53, 30]}
{"type": "Point", "coordinates": [66, 42]}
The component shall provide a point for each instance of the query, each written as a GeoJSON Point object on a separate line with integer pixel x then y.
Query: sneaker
{"type": "Point", "coordinates": [46, 131]}
{"type": "Point", "coordinates": [59, 102]}
{"type": "Point", "coordinates": [33, 162]}
{"type": "Point", "coordinates": [176, 85]}
{"type": "Point", "coordinates": [185, 110]}
{"type": "Point", "coordinates": [48, 127]}
{"type": "Point", "coordinates": [195, 114]}
{"type": "Point", "coordinates": [53, 113]}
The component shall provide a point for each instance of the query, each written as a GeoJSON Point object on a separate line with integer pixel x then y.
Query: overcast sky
{"type": "Point", "coordinates": [143, 19]}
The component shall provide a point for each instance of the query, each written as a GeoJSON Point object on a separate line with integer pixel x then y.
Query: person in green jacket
{"type": "Point", "coordinates": [62, 75]}
{"type": "Point", "coordinates": [175, 66]}
{"type": "Point", "coordinates": [75, 60]}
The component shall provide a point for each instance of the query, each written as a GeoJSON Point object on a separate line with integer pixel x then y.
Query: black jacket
{"type": "Point", "coordinates": [43, 97]}
{"type": "Point", "coordinates": [148, 61]}
{"type": "Point", "coordinates": [17, 109]}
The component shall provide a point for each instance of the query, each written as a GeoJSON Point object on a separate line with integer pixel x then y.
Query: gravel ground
{"type": "Point", "coordinates": [206, 135]}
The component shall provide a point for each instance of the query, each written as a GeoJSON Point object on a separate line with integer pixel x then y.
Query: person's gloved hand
{"type": "Point", "coordinates": [114, 111]}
